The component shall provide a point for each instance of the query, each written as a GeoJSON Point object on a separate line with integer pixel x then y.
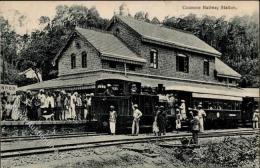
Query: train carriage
{"type": "Point", "coordinates": [122, 95]}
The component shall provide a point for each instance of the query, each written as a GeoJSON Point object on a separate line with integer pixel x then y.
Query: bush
{"type": "Point", "coordinates": [231, 152]}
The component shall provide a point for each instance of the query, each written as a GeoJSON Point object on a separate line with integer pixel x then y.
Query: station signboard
{"type": "Point", "coordinates": [8, 88]}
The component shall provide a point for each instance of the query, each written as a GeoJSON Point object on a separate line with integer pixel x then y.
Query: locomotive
{"type": "Point", "coordinates": [122, 94]}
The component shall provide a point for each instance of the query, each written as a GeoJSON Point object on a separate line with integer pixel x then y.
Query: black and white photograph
{"type": "Point", "coordinates": [129, 84]}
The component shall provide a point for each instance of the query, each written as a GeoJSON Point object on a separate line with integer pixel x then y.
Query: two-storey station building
{"type": "Point", "coordinates": [148, 53]}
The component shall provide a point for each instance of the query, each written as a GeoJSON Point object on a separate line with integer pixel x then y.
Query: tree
{"type": "Point", "coordinates": [155, 20]}
{"type": "Point", "coordinates": [142, 16]}
{"type": "Point", "coordinates": [44, 45]}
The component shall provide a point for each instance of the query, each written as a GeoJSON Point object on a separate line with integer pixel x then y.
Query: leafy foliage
{"type": "Point", "coordinates": [44, 45]}
{"type": "Point", "coordinates": [231, 152]}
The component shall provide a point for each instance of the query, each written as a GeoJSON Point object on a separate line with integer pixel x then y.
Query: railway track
{"type": "Point", "coordinates": [35, 137]}
{"type": "Point", "coordinates": [76, 146]}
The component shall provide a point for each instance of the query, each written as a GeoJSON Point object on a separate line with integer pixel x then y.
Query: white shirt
{"type": "Point", "coordinates": [73, 100]}
{"type": "Point", "coordinates": [137, 114]}
{"type": "Point", "coordinates": [201, 113]}
{"type": "Point", "coordinates": [50, 101]}
{"type": "Point", "coordinates": [43, 99]}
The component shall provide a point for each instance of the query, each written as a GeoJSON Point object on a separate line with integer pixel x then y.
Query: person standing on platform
{"type": "Point", "coordinates": [255, 119]}
{"type": "Point", "coordinates": [42, 97]}
{"type": "Point", "coordinates": [58, 106]}
{"type": "Point", "coordinates": [183, 110]}
{"type": "Point", "coordinates": [8, 108]}
{"type": "Point", "coordinates": [171, 102]}
{"type": "Point", "coordinates": [87, 106]}
{"type": "Point", "coordinates": [136, 114]}
{"type": "Point", "coordinates": [195, 127]}
{"type": "Point", "coordinates": [16, 108]}
{"type": "Point", "coordinates": [78, 107]}
{"type": "Point", "coordinates": [66, 106]}
{"type": "Point", "coordinates": [73, 101]}
{"type": "Point", "coordinates": [161, 120]}
{"type": "Point", "coordinates": [35, 107]}
{"type": "Point", "coordinates": [112, 120]}
{"type": "Point", "coordinates": [201, 115]}
{"type": "Point", "coordinates": [28, 103]}
{"type": "Point", "coordinates": [178, 120]}
{"type": "Point", "coordinates": [50, 102]}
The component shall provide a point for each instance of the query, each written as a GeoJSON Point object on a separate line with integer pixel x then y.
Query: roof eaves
{"type": "Point", "coordinates": [229, 76]}
{"type": "Point", "coordinates": [140, 60]}
{"type": "Point", "coordinates": [179, 46]}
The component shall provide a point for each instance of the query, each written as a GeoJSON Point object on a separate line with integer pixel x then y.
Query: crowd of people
{"type": "Point", "coordinates": [51, 105]}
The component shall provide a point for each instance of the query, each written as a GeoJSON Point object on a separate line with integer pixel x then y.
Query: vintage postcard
{"type": "Point", "coordinates": [129, 84]}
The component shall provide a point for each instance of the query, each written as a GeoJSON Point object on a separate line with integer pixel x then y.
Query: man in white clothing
{"type": "Point", "coordinates": [43, 100]}
{"type": "Point", "coordinates": [201, 115]}
{"type": "Point", "coordinates": [136, 114]}
{"type": "Point", "coordinates": [73, 101]}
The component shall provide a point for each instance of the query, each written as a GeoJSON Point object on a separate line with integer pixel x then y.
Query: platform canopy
{"type": "Point", "coordinates": [74, 82]}
{"type": "Point", "coordinates": [198, 90]}
{"type": "Point", "coordinates": [251, 92]}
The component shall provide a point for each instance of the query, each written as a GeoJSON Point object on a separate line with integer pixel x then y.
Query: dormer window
{"type": "Point", "coordinates": [182, 63]}
{"type": "Point", "coordinates": [154, 58]}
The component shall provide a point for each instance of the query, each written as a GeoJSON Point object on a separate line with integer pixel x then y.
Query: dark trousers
{"type": "Point", "coordinates": [195, 136]}
{"type": "Point", "coordinates": [57, 114]}
{"type": "Point", "coordinates": [78, 112]}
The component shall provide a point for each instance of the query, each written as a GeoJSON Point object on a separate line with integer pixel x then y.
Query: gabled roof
{"type": "Point", "coordinates": [224, 70]}
{"type": "Point", "coordinates": [173, 37]}
{"type": "Point", "coordinates": [109, 46]}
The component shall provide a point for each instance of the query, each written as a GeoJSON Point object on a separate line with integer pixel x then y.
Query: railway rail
{"type": "Point", "coordinates": [50, 136]}
{"type": "Point", "coordinates": [8, 153]}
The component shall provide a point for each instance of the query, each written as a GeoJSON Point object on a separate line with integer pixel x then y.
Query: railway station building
{"type": "Point", "coordinates": [148, 53]}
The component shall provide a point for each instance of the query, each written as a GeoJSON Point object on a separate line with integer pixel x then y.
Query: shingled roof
{"type": "Point", "coordinates": [174, 37]}
{"type": "Point", "coordinates": [109, 46]}
{"type": "Point", "coordinates": [224, 70]}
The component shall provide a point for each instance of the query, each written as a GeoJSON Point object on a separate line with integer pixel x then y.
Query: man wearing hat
{"type": "Point", "coordinates": [201, 115]}
{"type": "Point", "coordinates": [136, 114]}
{"type": "Point", "coordinates": [43, 102]}
{"type": "Point", "coordinates": [112, 120]}
{"type": "Point", "coordinates": [161, 120]}
{"type": "Point", "coordinates": [183, 110]}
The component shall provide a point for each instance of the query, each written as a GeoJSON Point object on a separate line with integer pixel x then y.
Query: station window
{"type": "Point", "coordinates": [73, 61]}
{"type": "Point", "coordinates": [112, 64]}
{"type": "Point", "coordinates": [154, 59]}
{"type": "Point", "coordinates": [131, 67]}
{"type": "Point", "coordinates": [182, 63]}
{"type": "Point", "coordinates": [84, 59]}
{"type": "Point", "coordinates": [230, 80]}
{"type": "Point", "coordinates": [206, 67]}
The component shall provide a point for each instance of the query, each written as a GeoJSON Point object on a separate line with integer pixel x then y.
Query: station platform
{"type": "Point", "coordinates": [45, 122]}
{"type": "Point", "coordinates": [27, 128]}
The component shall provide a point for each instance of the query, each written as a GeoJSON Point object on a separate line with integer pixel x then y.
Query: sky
{"type": "Point", "coordinates": [33, 10]}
